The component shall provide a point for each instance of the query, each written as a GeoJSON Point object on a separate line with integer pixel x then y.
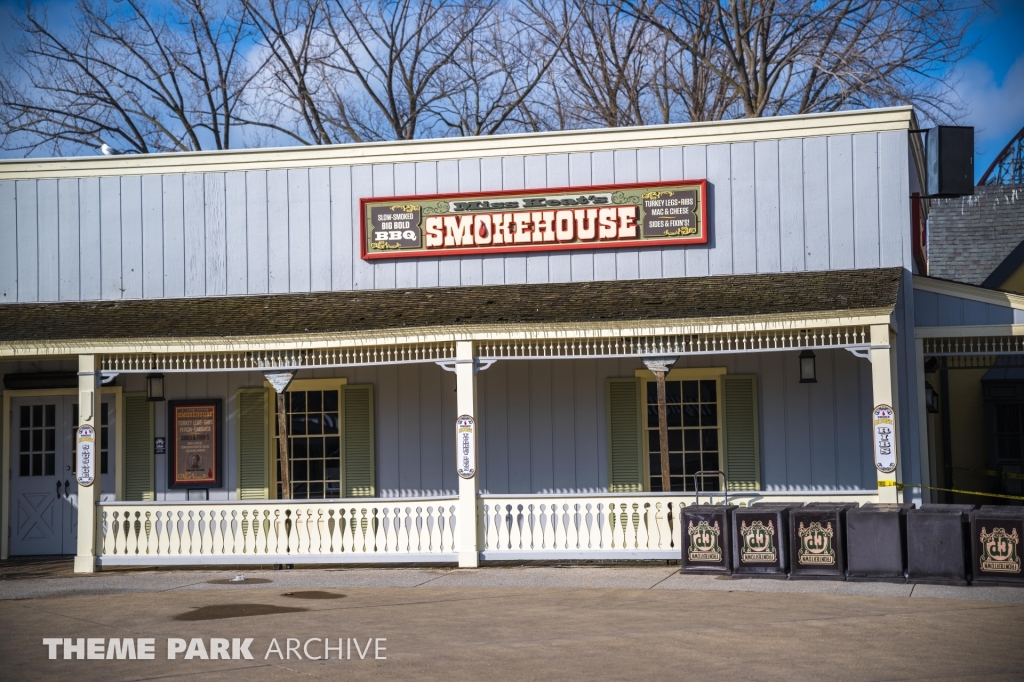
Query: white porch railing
{"type": "Point", "coordinates": [278, 531]}
{"type": "Point", "coordinates": [602, 526]}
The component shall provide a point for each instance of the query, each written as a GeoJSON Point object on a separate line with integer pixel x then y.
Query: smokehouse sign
{"type": "Point", "coordinates": [608, 216]}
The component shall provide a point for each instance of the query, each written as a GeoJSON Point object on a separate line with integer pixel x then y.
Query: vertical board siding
{"type": "Point", "coordinates": [152, 237]}
{"type": "Point", "coordinates": [69, 239]}
{"type": "Point", "coordinates": [817, 243]}
{"type": "Point", "coordinates": [840, 202]}
{"type": "Point", "coordinates": [695, 166]}
{"type": "Point", "coordinates": [766, 202]}
{"type": "Point", "coordinates": [298, 229]}
{"type": "Point", "coordinates": [131, 237]}
{"type": "Point", "coordinates": [49, 242]}
{"type": "Point", "coordinates": [195, 235]}
{"type": "Point", "coordinates": [8, 242]}
{"type": "Point", "coordinates": [865, 198]}
{"type": "Point", "coordinates": [744, 209]}
{"type": "Point", "coordinates": [791, 205]}
{"type": "Point", "coordinates": [174, 235]}
{"type": "Point", "coordinates": [235, 221]}
{"type": "Point", "coordinates": [277, 232]}
{"type": "Point", "coordinates": [111, 287]}
{"type": "Point", "coordinates": [27, 241]}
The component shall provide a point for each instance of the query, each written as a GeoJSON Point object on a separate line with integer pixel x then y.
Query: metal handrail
{"type": "Point", "coordinates": [704, 474]}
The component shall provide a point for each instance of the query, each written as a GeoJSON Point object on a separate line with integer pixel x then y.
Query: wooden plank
{"type": "Point", "coordinates": [449, 412]}
{"type": "Point", "coordinates": [926, 309]}
{"type": "Point", "coordinates": [257, 249]}
{"type": "Point", "coordinates": [342, 227]}
{"type": "Point", "coordinates": [69, 238]}
{"type": "Point", "coordinates": [493, 389]}
{"type": "Point", "coordinates": [110, 238]}
{"type": "Point", "coordinates": [744, 209]}
{"type": "Point", "coordinates": [850, 447]}
{"type": "Point", "coordinates": [541, 427]}
{"type": "Point", "coordinates": [975, 312]}
{"type": "Point", "coordinates": [131, 236]}
{"type": "Point", "coordinates": [278, 259]}
{"type": "Point", "coordinates": [8, 242]}
{"type": "Point", "coordinates": [893, 190]}
{"type": "Point", "coordinates": [408, 428]}
{"type": "Point", "coordinates": [405, 185]}
{"type": "Point", "coordinates": [950, 311]}
{"type": "Point", "coordinates": [387, 425]}
{"type": "Point", "coordinates": [627, 261]}
{"type": "Point", "coordinates": [696, 257]}
{"type": "Point", "coordinates": [791, 204]}
{"type": "Point", "coordinates": [152, 236]}
{"type": "Point", "coordinates": [588, 404]}
{"type": "Point", "coordinates": [840, 202]}
{"type": "Point", "coordinates": [216, 234]}
{"type": "Point", "coordinates": [773, 406]}
{"type": "Point", "coordinates": [49, 232]}
{"type": "Point", "coordinates": [823, 420]}
{"type": "Point", "coordinates": [720, 260]}
{"type": "Point", "coordinates": [362, 186]}
{"type": "Point", "coordinates": [563, 425]}
{"type": "Point", "coordinates": [997, 314]}
{"type": "Point", "coordinates": [798, 423]}
{"type": "Point", "coordinates": [866, 242]}
{"type": "Point", "coordinates": [766, 191]}
{"type": "Point", "coordinates": [519, 423]}
{"type": "Point", "coordinates": [195, 235]}
{"type": "Point", "coordinates": [27, 241]}
{"type": "Point", "coordinates": [816, 204]}
{"type": "Point", "coordinates": [431, 447]}
{"type": "Point", "coordinates": [581, 263]}
{"type": "Point", "coordinates": [426, 183]}
{"type": "Point", "coordinates": [174, 235]}
{"type": "Point", "coordinates": [236, 234]}
{"type": "Point", "coordinates": [449, 270]}
{"type": "Point", "coordinates": [89, 241]}
{"type": "Point", "coordinates": [298, 229]}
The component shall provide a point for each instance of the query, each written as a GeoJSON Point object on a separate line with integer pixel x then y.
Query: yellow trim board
{"type": "Point", "coordinates": [968, 292]}
{"type": "Point", "coordinates": [681, 373]}
{"type": "Point", "coordinates": [489, 146]}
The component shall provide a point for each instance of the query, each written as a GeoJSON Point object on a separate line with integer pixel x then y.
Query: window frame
{"type": "Point", "coordinates": [682, 374]}
{"type": "Point", "coordinates": [334, 384]}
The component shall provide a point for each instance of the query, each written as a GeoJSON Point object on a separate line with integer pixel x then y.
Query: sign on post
{"type": "Point", "coordinates": [883, 426]}
{"type": "Point", "coordinates": [86, 451]}
{"type": "Point", "coordinates": [465, 441]}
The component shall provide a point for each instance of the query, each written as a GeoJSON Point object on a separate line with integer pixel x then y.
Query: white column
{"type": "Point", "coordinates": [467, 524]}
{"type": "Point", "coordinates": [884, 391]}
{"type": "Point", "coordinates": [88, 496]}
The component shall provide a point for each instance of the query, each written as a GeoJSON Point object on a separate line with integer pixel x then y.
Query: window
{"type": "Point", "coordinates": [694, 432]}
{"type": "Point", "coordinates": [104, 428]}
{"type": "Point", "coordinates": [38, 440]}
{"type": "Point", "coordinates": [314, 444]}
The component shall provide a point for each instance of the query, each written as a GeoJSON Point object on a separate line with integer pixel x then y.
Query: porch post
{"type": "Point", "coordinates": [924, 447]}
{"type": "Point", "coordinates": [88, 496]}
{"type": "Point", "coordinates": [466, 518]}
{"type": "Point", "coordinates": [885, 392]}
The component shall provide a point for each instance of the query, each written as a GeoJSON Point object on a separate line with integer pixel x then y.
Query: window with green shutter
{"type": "Point", "coordinates": [357, 441]}
{"type": "Point", "coordinates": [742, 456]}
{"type": "Point", "coordinates": [138, 448]}
{"type": "Point", "coordinates": [253, 453]}
{"type": "Point", "coordinates": [625, 464]}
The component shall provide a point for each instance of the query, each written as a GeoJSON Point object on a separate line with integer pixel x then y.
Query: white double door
{"type": "Point", "coordinates": [44, 491]}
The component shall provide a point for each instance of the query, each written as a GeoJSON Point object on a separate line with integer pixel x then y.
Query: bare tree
{"type": "Point", "coordinates": [799, 56]}
{"type": "Point", "coordinates": [129, 75]}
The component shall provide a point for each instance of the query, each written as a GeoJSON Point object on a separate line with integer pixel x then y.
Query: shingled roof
{"type": "Point", "coordinates": [359, 311]}
{"type": "Point", "coordinates": [968, 237]}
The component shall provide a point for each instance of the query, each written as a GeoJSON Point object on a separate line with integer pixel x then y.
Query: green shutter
{"type": "Point", "coordinates": [625, 459]}
{"type": "Point", "coordinates": [742, 460]}
{"type": "Point", "coordinates": [253, 472]}
{"type": "Point", "coordinates": [138, 447]}
{"type": "Point", "coordinates": [357, 469]}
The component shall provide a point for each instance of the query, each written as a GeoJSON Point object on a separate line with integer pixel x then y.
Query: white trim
{"type": "Point", "coordinates": [968, 292]}
{"type": "Point", "coordinates": [965, 331]}
{"type": "Point", "coordinates": [560, 142]}
{"type": "Point", "coordinates": [266, 559]}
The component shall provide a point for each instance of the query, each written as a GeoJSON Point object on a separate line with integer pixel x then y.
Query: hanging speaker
{"type": "Point", "coordinates": [950, 154]}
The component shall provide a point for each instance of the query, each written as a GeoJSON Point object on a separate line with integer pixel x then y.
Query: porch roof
{"type": "Point", "coordinates": [457, 307]}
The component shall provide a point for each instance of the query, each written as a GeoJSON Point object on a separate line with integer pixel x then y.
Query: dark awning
{"type": "Point", "coordinates": [359, 311]}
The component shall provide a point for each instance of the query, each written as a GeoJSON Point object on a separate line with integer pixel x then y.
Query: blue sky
{"type": "Point", "coordinates": [990, 82]}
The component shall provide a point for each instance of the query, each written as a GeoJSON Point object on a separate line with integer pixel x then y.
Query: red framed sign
{"type": "Point", "coordinates": [595, 217]}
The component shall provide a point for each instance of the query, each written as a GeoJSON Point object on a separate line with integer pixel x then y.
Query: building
{"type": "Point", "coordinates": [544, 290]}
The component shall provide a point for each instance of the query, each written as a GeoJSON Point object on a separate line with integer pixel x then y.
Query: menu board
{"type": "Point", "coordinates": [195, 438]}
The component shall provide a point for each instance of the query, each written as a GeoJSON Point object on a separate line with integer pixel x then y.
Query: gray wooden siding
{"type": "Point", "coordinates": [542, 425]}
{"type": "Point", "coordinates": [940, 310]}
{"type": "Point", "coordinates": [774, 206]}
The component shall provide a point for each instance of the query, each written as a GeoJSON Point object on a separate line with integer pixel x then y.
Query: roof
{"type": "Point", "coordinates": [484, 146]}
{"type": "Point", "coordinates": [969, 237]}
{"type": "Point", "coordinates": [518, 304]}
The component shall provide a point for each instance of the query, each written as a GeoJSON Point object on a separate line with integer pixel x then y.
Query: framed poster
{"type": "Point", "coordinates": [650, 214]}
{"type": "Point", "coordinates": [194, 431]}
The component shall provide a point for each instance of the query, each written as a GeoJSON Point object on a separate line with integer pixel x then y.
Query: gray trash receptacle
{"type": "Point", "coordinates": [707, 543]}
{"type": "Point", "coordinates": [996, 533]}
{"type": "Point", "coordinates": [938, 544]}
{"type": "Point", "coordinates": [876, 547]}
{"type": "Point", "coordinates": [817, 541]}
{"type": "Point", "coordinates": [760, 539]}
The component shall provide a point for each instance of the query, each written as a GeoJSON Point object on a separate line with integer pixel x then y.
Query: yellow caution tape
{"type": "Point", "coordinates": [990, 472]}
{"type": "Point", "coordinates": [901, 486]}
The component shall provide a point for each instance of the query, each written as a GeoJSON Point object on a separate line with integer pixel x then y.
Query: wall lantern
{"type": "Point", "coordinates": [931, 399]}
{"type": "Point", "coordinates": [808, 373]}
{"type": "Point", "coordinates": [154, 387]}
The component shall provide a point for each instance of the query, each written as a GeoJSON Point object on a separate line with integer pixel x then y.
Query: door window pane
{"type": "Point", "coordinates": [314, 457]}
{"type": "Point", "coordinates": [691, 411]}
{"type": "Point", "coordinates": [37, 440]}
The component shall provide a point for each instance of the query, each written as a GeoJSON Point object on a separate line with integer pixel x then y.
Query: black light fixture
{"type": "Point", "coordinates": [808, 372]}
{"type": "Point", "coordinates": [154, 387]}
{"type": "Point", "coordinates": [931, 399]}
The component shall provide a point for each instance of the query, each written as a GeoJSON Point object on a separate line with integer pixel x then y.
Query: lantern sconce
{"type": "Point", "coordinates": [931, 399]}
{"type": "Point", "coordinates": [154, 387]}
{"type": "Point", "coordinates": [808, 371]}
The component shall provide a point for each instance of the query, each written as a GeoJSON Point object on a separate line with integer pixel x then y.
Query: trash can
{"type": "Point", "coordinates": [996, 533]}
{"type": "Point", "coordinates": [876, 542]}
{"type": "Point", "coordinates": [938, 544]}
{"type": "Point", "coordinates": [817, 541]}
{"type": "Point", "coordinates": [706, 539]}
{"type": "Point", "coordinates": [760, 539]}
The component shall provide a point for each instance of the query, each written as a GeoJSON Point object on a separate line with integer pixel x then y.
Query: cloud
{"type": "Point", "coordinates": [996, 109]}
